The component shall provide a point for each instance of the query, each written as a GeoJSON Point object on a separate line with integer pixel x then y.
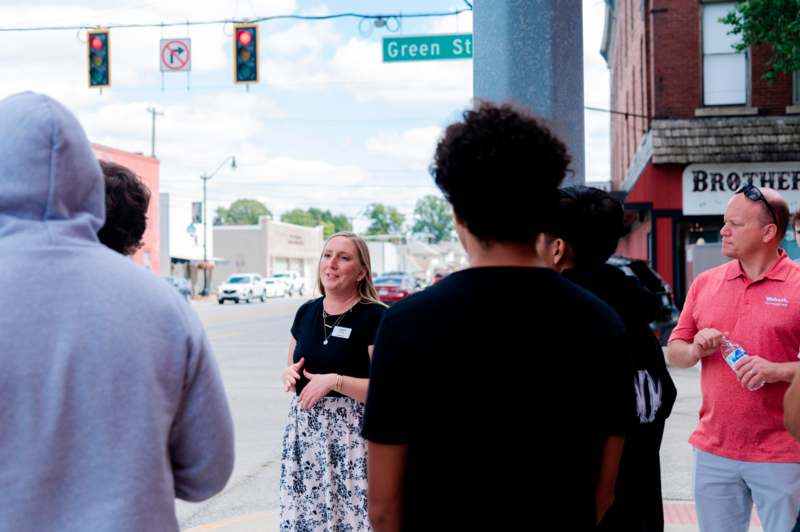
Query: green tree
{"type": "Point", "coordinates": [385, 220]}
{"type": "Point", "coordinates": [299, 217]}
{"type": "Point", "coordinates": [242, 212]}
{"type": "Point", "coordinates": [433, 216]}
{"type": "Point", "coordinates": [772, 22]}
{"type": "Point", "coordinates": [331, 223]}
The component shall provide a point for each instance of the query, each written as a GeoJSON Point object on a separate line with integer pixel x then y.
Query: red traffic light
{"type": "Point", "coordinates": [245, 37]}
{"type": "Point", "coordinates": [97, 43]}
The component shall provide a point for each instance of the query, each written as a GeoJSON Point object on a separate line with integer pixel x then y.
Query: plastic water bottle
{"type": "Point", "coordinates": [733, 353]}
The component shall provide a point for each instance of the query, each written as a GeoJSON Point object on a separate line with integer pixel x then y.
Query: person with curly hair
{"type": "Point", "coordinates": [585, 234]}
{"type": "Point", "coordinates": [127, 201]}
{"type": "Point", "coordinates": [502, 375]}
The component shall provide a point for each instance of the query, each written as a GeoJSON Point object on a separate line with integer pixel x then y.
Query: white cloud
{"type": "Point", "coordinates": [368, 79]}
{"type": "Point", "coordinates": [414, 146]}
{"type": "Point", "coordinates": [203, 126]}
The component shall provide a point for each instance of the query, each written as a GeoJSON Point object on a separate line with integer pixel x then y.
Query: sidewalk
{"type": "Point", "coordinates": [255, 522]}
{"type": "Point", "coordinates": [679, 516]}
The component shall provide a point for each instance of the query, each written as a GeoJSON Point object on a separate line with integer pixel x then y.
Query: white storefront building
{"type": "Point", "coordinates": [266, 248]}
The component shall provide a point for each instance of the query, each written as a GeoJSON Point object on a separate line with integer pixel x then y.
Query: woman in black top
{"type": "Point", "coordinates": [324, 462]}
{"type": "Point", "coordinates": [586, 232]}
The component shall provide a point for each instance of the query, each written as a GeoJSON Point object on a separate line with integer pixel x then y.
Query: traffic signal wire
{"type": "Point", "coordinates": [255, 20]}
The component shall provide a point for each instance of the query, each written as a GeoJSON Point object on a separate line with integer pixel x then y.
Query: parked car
{"type": "Point", "coordinates": [438, 276]}
{"type": "Point", "coordinates": [242, 287]}
{"type": "Point", "coordinates": [182, 285]}
{"type": "Point", "coordinates": [667, 316]}
{"type": "Point", "coordinates": [293, 280]}
{"type": "Point", "coordinates": [393, 288]}
{"type": "Point", "coordinates": [275, 287]}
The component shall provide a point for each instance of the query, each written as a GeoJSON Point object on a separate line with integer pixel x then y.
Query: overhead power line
{"type": "Point", "coordinates": [363, 16]}
{"type": "Point", "coordinates": [626, 114]}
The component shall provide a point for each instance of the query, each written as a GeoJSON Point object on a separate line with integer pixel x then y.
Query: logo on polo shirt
{"type": "Point", "coordinates": [777, 301]}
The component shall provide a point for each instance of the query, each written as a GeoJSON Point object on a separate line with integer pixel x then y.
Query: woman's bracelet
{"type": "Point", "coordinates": [339, 382]}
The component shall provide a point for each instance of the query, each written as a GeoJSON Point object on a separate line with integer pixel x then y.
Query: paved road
{"type": "Point", "coordinates": [250, 342]}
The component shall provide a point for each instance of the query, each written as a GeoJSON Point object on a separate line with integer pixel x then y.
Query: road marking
{"type": "Point", "coordinates": [265, 517]}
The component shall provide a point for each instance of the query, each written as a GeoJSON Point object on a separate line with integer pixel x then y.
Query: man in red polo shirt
{"type": "Point", "coordinates": [743, 453]}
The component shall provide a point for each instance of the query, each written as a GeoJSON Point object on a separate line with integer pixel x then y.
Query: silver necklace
{"type": "Point", "coordinates": [325, 334]}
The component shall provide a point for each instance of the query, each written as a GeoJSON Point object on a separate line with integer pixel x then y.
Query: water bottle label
{"type": "Point", "coordinates": [735, 356]}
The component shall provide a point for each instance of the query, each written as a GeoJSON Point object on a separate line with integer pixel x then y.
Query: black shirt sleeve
{"type": "Point", "coordinates": [386, 418]}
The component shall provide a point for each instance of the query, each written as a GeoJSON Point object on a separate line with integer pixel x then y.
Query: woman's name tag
{"type": "Point", "coordinates": [341, 332]}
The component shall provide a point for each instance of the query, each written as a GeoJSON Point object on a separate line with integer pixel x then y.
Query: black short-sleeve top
{"type": "Point", "coordinates": [346, 350]}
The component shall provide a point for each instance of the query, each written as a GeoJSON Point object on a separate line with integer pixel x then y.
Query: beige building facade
{"type": "Point", "coordinates": [266, 248]}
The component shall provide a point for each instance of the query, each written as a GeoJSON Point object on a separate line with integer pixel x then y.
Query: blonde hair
{"type": "Point", "coordinates": [366, 289]}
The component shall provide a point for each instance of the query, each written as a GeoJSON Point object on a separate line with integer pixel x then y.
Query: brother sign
{"type": "Point", "coordinates": [708, 187]}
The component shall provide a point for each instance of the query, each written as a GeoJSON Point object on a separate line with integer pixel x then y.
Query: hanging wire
{"type": "Point", "coordinates": [362, 16]}
{"type": "Point", "coordinates": [626, 114]}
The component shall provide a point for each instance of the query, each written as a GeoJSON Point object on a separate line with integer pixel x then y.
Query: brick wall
{"type": "Point", "coordinates": [656, 70]}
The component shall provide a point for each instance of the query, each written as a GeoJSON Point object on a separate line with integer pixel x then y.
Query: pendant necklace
{"type": "Point", "coordinates": [325, 334]}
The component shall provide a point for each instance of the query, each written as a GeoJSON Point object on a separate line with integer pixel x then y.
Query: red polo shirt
{"type": "Point", "coordinates": [763, 316]}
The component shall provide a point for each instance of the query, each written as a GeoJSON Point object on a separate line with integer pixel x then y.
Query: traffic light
{"type": "Point", "coordinates": [99, 65]}
{"type": "Point", "coordinates": [245, 53]}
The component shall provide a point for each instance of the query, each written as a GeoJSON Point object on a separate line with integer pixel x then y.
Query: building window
{"type": "Point", "coordinates": [724, 69]}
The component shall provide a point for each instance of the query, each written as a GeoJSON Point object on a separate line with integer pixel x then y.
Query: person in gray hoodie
{"type": "Point", "coordinates": [111, 402]}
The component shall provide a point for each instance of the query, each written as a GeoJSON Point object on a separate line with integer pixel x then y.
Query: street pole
{"type": "Point", "coordinates": [205, 178]}
{"type": "Point", "coordinates": [152, 111]}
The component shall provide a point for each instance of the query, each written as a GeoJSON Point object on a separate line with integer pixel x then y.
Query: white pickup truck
{"type": "Point", "coordinates": [295, 283]}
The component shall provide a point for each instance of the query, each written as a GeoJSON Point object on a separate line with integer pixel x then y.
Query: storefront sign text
{"type": "Point", "coordinates": [708, 187]}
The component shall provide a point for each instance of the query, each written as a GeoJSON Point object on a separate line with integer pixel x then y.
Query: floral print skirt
{"type": "Point", "coordinates": [324, 468]}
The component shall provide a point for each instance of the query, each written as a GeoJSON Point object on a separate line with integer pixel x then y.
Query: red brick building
{"type": "Point", "coordinates": [693, 121]}
{"type": "Point", "coordinates": [147, 168]}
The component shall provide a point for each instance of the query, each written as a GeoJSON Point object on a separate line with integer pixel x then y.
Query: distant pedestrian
{"type": "Point", "coordinates": [127, 201]}
{"type": "Point", "coordinates": [498, 396]}
{"type": "Point", "coordinates": [743, 453]}
{"type": "Point", "coordinates": [794, 223]}
{"type": "Point", "coordinates": [112, 403]}
{"type": "Point", "coordinates": [586, 233]}
{"type": "Point", "coordinates": [323, 484]}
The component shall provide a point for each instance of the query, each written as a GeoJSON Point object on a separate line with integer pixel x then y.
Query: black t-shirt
{"type": "Point", "coordinates": [504, 383]}
{"type": "Point", "coordinates": [345, 356]}
{"type": "Point", "coordinates": [637, 307]}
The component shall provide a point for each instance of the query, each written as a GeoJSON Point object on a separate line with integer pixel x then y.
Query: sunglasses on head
{"type": "Point", "coordinates": [753, 193]}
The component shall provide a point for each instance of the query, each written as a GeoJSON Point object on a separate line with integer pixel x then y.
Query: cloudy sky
{"type": "Point", "coordinates": [329, 126]}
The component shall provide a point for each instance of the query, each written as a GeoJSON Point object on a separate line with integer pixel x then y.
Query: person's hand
{"type": "Point", "coordinates": [318, 386]}
{"type": "Point", "coordinates": [706, 342]}
{"type": "Point", "coordinates": [291, 374]}
{"type": "Point", "coordinates": [753, 372]}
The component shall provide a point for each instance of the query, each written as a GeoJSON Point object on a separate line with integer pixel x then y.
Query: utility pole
{"type": "Point", "coordinates": [531, 52]}
{"type": "Point", "coordinates": [152, 111]}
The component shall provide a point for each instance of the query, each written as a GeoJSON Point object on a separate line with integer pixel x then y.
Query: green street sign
{"type": "Point", "coordinates": [427, 47]}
